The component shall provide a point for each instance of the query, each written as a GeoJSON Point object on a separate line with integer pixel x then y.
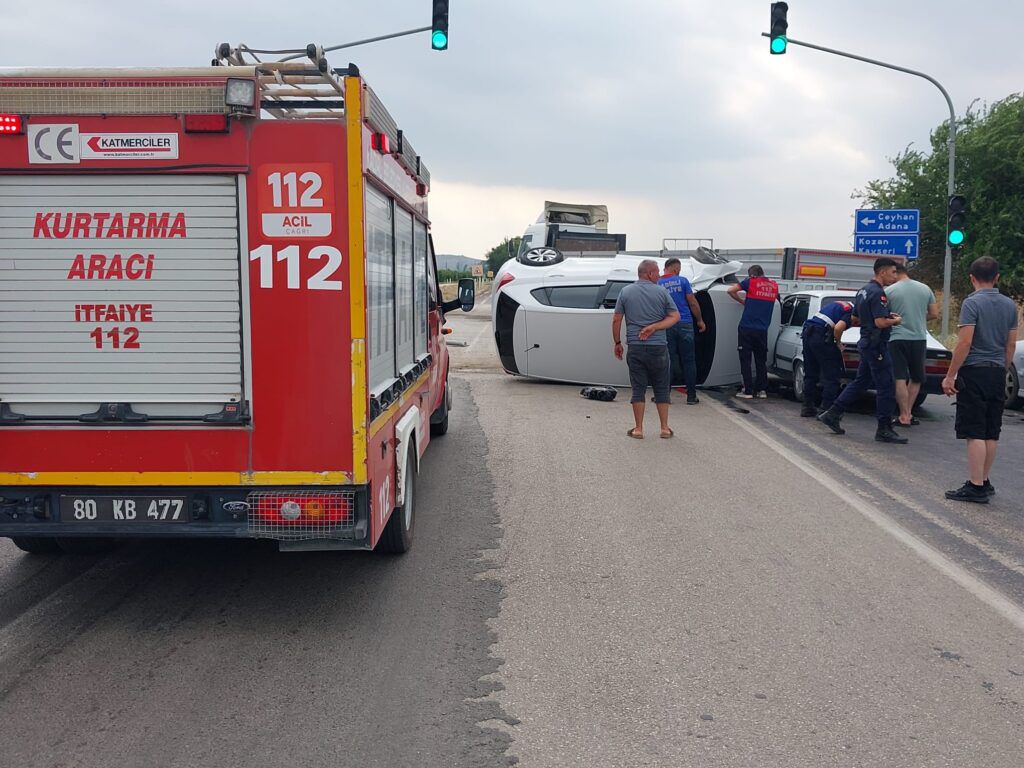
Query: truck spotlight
{"type": "Point", "coordinates": [240, 92]}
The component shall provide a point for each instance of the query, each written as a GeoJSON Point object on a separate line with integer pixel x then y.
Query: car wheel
{"type": "Point", "coordinates": [36, 545]}
{"type": "Point", "coordinates": [541, 257]}
{"type": "Point", "coordinates": [920, 400]}
{"type": "Point", "coordinates": [1013, 398]}
{"type": "Point", "coordinates": [397, 536]}
{"type": "Point", "coordinates": [798, 381]}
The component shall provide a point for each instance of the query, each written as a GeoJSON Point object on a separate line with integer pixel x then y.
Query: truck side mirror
{"type": "Point", "coordinates": [466, 298]}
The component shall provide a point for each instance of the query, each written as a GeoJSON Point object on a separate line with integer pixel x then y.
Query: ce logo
{"type": "Point", "coordinates": [53, 144]}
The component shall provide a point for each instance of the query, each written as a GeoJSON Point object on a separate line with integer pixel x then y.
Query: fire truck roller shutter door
{"type": "Point", "coordinates": [120, 289]}
{"type": "Point", "coordinates": [421, 301]}
{"type": "Point", "coordinates": [405, 310]}
{"type": "Point", "coordinates": [380, 287]}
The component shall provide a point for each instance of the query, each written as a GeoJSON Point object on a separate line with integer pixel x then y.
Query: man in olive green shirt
{"type": "Point", "coordinates": [915, 303]}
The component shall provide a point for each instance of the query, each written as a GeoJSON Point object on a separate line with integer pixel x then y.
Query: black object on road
{"type": "Point", "coordinates": [599, 393]}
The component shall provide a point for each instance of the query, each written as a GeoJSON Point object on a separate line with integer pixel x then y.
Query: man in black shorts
{"type": "Point", "coordinates": [977, 376]}
{"type": "Point", "coordinates": [915, 303]}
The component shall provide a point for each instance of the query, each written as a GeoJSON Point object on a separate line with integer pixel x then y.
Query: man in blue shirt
{"type": "Point", "coordinates": [760, 295]}
{"type": "Point", "coordinates": [876, 322]}
{"type": "Point", "coordinates": [681, 343]}
{"type": "Point", "coordinates": [823, 359]}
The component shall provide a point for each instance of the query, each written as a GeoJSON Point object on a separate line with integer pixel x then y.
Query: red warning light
{"type": "Point", "coordinates": [11, 124]}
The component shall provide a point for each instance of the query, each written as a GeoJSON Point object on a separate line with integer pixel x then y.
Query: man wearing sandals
{"type": "Point", "coordinates": [648, 310]}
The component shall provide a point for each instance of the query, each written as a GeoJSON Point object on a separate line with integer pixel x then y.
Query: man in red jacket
{"type": "Point", "coordinates": [761, 293]}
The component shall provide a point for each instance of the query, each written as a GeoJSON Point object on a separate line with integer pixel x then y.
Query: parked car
{"type": "Point", "coordinates": [1014, 374]}
{"type": "Point", "coordinates": [787, 362]}
{"type": "Point", "coordinates": [552, 316]}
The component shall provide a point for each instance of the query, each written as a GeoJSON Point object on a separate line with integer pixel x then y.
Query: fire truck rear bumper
{"type": "Point", "coordinates": [332, 517]}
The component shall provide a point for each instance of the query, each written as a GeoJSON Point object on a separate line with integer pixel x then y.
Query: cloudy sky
{"type": "Point", "coordinates": [672, 112]}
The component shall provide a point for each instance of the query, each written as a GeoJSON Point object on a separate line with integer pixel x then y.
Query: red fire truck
{"type": "Point", "coordinates": [219, 307]}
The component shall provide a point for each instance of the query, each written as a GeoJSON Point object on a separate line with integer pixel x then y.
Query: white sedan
{"type": "Point", "coordinates": [552, 316]}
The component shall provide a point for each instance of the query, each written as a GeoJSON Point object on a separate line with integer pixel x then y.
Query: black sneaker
{"type": "Point", "coordinates": [808, 411]}
{"type": "Point", "coordinates": [968, 492]}
{"type": "Point", "coordinates": [831, 420]}
{"type": "Point", "coordinates": [692, 400]}
{"type": "Point", "coordinates": [990, 490]}
{"type": "Point", "coordinates": [888, 435]}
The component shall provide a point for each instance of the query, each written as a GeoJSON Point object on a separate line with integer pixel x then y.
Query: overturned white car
{"type": "Point", "coordinates": [552, 316]}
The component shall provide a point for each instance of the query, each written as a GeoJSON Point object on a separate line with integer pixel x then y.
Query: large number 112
{"type": "Point", "coordinates": [321, 281]}
{"type": "Point", "coordinates": [288, 184]}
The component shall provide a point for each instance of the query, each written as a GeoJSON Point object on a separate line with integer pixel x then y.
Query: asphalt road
{"type": "Point", "coordinates": [737, 596]}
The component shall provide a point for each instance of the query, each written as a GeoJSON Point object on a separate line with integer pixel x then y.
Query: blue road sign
{"type": "Point", "coordinates": [888, 245]}
{"type": "Point", "coordinates": [906, 220]}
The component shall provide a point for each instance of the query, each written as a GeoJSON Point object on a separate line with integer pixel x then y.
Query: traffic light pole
{"type": "Point", "coordinates": [301, 54]}
{"type": "Point", "coordinates": [948, 265]}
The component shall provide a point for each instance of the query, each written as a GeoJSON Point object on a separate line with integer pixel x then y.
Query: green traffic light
{"type": "Point", "coordinates": [956, 237]}
{"type": "Point", "coordinates": [779, 45]}
{"type": "Point", "coordinates": [439, 40]}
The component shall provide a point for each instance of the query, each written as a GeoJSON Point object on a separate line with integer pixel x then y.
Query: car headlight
{"type": "Point", "coordinates": [240, 92]}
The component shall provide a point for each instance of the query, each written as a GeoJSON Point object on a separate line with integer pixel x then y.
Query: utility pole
{"type": "Point", "coordinates": [951, 185]}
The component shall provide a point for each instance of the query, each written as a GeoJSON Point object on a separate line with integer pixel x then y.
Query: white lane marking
{"type": "Point", "coordinates": [487, 327]}
{"type": "Point", "coordinates": [988, 595]}
{"type": "Point", "coordinates": [952, 529]}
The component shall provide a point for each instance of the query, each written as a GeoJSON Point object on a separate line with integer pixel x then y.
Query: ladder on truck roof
{"type": "Point", "coordinates": [304, 86]}
{"type": "Point", "coordinates": [304, 90]}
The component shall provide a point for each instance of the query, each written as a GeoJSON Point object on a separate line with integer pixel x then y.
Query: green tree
{"type": "Point", "coordinates": [452, 275]}
{"type": "Point", "coordinates": [989, 172]}
{"type": "Point", "coordinates": [501, 253]}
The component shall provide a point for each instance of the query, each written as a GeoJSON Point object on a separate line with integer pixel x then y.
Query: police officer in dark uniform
{"type": "Point", "coordinates": [872, 309]}
{"type": "Point", "coordinates": [823, 359]}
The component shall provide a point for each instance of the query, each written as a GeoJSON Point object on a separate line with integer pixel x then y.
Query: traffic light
{"type": "Point", "coordinates": [779, 27]}
{"type": "Point", "coordinates": [439, 26]}
{"type": "Point", "coordinates": [957, 219]}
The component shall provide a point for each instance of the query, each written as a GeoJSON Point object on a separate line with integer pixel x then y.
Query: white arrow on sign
{"type": "Point", "coordinates": [909, 246]}
{"type": "Point", "coordinates": [865, 221]}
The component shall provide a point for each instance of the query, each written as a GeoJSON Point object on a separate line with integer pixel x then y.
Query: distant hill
{"type": "Point", "coordinates": [458, 263]}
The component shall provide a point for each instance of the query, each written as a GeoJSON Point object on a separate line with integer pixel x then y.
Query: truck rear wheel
{"type": "Point", "coordinates": [439, 419]}
{"type": "Point", "coordinates": [36, 545]}
{"type": "Point", "coordinates": [397, 536]}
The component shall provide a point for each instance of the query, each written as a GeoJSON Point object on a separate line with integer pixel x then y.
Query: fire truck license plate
{"type": "Point", "coordinates": [123, 509]}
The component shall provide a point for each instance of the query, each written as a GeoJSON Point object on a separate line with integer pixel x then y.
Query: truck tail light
{"type": "Point", "coordinates": [303, 508]}
{"type": "Point", "coordinates": [207, 124]}
{"type": "Point", "coordinates": [11, 125]}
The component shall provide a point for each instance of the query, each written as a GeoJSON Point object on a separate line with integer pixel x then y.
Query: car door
{"type": "Point", "coordinates": [569, 334]}
{"type": "Point", "coordinates": [795, 310]}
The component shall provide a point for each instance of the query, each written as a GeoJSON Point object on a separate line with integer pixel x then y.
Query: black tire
{"type": "Point", "coordinates": [1013, 398]}
{"type": "Point", "coordinates": [36, 545]}
{"type": "Point", "coordinates": [397, 536]}
{"type": "Point", "coordinates": [798, 382]}
{"type": "Point", "coordinates": [541, 257]}
{"type": "Point", "coordinates": [921, 397]}
{"type": "Point", "coordinates": [85, 545]}
{"type": "Point", "coordinates": [439, 419]}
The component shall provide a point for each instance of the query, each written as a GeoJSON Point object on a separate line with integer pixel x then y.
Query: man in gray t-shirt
{"type": "Point", "coordinates": [977, 376]}
{"type": "Point", "coordinates": [908, 344]}
{"type": "Point", "coordinates": [647, 310]}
